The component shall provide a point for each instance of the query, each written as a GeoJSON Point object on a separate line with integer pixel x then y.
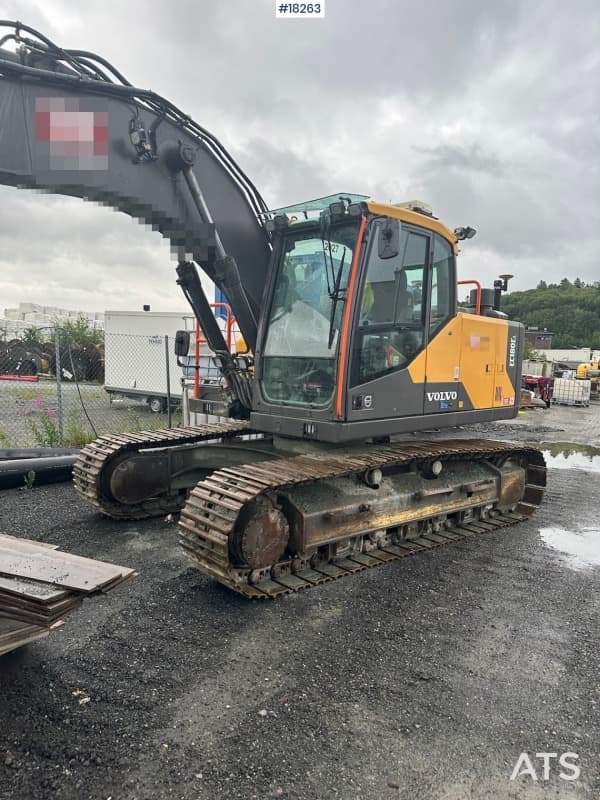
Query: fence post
{"type": "Point", "coordinates": [59, 405]}
{"type": "Point", "coordinates": [169, 415]}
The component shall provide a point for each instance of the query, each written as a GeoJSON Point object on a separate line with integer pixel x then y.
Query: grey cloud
{"type": "Point", "coordinates": [469, 158]}
{"type": "Point", "coordinates": [486, 110]}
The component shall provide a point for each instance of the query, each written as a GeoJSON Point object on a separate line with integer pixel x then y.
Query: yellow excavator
{"type": "Point", "coordinates": [349, 307]}
{"type": "Point", "coordinates": [590, 372]}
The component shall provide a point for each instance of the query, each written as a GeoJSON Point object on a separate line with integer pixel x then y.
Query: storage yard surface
{"type": "Point", "coordinates": [425, 678]}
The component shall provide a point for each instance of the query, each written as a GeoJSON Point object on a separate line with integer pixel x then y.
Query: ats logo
{"type": "Point", "coordinates": [567, 768]}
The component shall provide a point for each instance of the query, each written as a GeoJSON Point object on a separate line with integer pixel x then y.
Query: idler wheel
{"type": "Point", "coordinates": [261, 534]}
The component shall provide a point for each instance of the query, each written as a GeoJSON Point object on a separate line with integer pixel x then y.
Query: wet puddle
{"type": "Point", "coordinates": [581, 548]}
{"type": "Point", "coordinates": [560, 455]}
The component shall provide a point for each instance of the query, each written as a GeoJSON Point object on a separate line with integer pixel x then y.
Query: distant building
{"type": "Point", "coordinates": [569, 357]}
{"type": "Point", "coordinates": [33, 315]}
{"type": "Point", "coordinates": [539, 339]}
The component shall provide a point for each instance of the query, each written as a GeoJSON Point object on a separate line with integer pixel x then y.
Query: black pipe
{"type": "Point", "coordinates": [189, 280]}
{"type": "Point", "coordinates": [13, 472]}
{"type": "Point", "coordinates": [37, 452]}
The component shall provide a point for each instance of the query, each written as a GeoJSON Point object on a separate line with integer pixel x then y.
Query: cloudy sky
{"type": "Point", "coordinates": [486, 110]}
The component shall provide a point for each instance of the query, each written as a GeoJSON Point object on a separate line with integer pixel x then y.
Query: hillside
{"type": "Point", "coordinates": [571, 311]}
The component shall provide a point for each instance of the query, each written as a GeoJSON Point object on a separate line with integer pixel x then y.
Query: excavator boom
{"type": "Point", "coordinates": [71, 124]}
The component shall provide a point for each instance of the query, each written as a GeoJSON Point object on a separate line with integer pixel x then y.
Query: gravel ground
{"type": "Point", "coordinates": [425, 678]}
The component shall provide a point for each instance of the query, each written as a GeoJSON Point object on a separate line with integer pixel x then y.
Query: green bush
{"type": "Point", "coordinates": [46, 434]}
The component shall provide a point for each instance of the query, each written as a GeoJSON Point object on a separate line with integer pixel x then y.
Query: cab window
{"type": "Point", "coordinates": [442, 284]}
{"type": "Point", "coordinates": [392, 308]}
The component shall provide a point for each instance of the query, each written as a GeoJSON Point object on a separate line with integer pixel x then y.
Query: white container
{"type": "Point", "coordinates": [571, 392]}
{"type": "Point", "coordinates": [136, 354]}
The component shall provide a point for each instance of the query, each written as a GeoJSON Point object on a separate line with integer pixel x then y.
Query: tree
{"type": "Point", "coordinates": [571, 314]}
{"type": "Point", "coordinates": [542, 285]}
{"type": "Point", "coordinates": [32, 334]}
{"type": "Point", "coordinates": [79, 332]}
{"type": "Point", "coordinates": [529, 354]}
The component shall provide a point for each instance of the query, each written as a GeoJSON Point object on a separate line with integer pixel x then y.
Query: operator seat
{"type": "Point", "coordinates": [404, 306]}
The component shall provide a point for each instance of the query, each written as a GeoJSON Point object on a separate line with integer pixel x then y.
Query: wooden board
{"type": "Point", "coordinates": [15, 634]}
{"type": "Point", "coordinates": [39, 585]}
{"type": "Point", "coordinates": [61, 569]}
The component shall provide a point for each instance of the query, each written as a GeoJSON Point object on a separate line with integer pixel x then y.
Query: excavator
{"type": "Point", "coordinates": [350, 310]}
{"type": "Point", "coordinates": [590, 371]}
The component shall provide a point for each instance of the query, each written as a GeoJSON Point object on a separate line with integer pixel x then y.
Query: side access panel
{"type": "Point", "coordinates": [489, 361]}
{"type": "Point", "coordinates": [397, 394]}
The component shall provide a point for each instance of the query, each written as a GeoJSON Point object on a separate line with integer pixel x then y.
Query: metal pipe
{"type": "Point", "coordinates": [168, 372]}
{"type": "Point", "coordinates": [189, 280]}
{"type": "Point", "coordinates": [226, 271]}
{"type": "Point", "coordinates": [59, 408]}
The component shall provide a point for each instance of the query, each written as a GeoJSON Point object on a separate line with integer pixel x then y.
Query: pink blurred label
{"type": "Point", "coordinates": [72, 133]}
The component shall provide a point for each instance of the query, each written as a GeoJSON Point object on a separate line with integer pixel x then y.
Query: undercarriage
{"type": "Point", "coordinates": [264, 522]}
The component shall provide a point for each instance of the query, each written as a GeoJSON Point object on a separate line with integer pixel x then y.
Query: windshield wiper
{"type": "Point", "coordinates": [335, 297]}
{"type": "Point", "coordinates": [326, 242]}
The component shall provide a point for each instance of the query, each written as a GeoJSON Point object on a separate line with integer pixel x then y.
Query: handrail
{"type": "Point", "coordinates": [478, 295]}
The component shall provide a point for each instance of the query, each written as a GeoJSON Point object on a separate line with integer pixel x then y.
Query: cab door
{"type": "Point", "coordinates": [443, 389]}
{"type": "Point", "coordinates": [387, 374]}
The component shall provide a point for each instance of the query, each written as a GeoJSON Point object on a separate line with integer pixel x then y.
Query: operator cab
{"type": "Point", "coordinates": [316, 256]}
{"type": "Point", "coordinates": [361, 334]}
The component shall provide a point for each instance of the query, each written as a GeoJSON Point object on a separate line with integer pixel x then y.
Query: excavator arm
{"type": "Point", "coordinates": [71, 124]}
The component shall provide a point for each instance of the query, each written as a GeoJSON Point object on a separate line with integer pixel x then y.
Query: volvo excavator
{"type": "Point", "coordinates": [350, 309]}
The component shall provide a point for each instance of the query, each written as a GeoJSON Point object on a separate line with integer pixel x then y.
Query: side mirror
{"type": "Point", "coordinates": [388, 243]}
{"type": "Point", "coordinates": [182, 343]}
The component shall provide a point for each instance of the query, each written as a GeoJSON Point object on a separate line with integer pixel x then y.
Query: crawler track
{"type": "Point", "coordinates": [95, 460]}
{"type": "Point", "coordinates": [208, 520]}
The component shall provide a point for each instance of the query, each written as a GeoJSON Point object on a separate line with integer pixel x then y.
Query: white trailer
{"type": "Point", "coordinates": [137, 345]}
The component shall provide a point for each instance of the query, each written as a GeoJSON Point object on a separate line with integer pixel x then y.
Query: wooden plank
{"type": "Point", "coordinates": [27, 546]}
{"type": "Point", "coordinates": [34, 618]}
{"type": "Point", "coordinates": [35, 590]}
{"type": "Point", "coordinates": [15, 634]}
{"type": "Point", "coordinates": [61, 569]}
{"type": "Point", "coordinates": [8, 602]}
{"type": "Point", "coordinates": [9, 538]}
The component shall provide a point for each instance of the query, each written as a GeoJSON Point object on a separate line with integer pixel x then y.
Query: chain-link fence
{"type": "Point", "coordinates": [62, 390]}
